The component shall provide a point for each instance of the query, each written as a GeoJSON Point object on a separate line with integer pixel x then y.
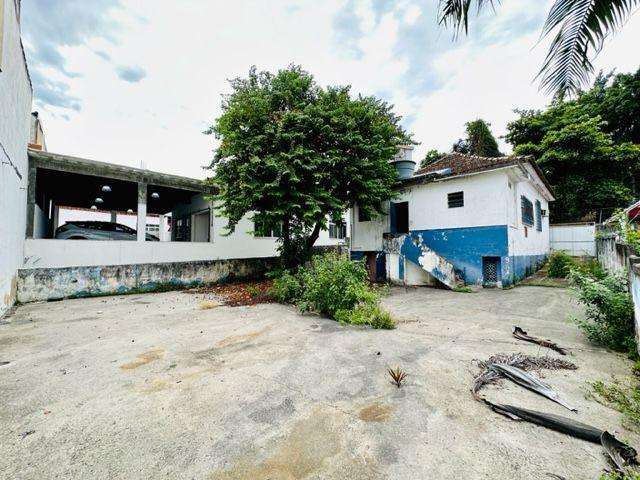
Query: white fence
{"type": "Point", "coordinates": [577, 239]}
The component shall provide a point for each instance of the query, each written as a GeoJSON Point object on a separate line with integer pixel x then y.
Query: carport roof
{"type": "Point", "coordinates": [83, 166]}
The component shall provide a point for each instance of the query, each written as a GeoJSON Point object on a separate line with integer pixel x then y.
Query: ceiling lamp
{"type": "Point", "coordinates": [93, 207]}
{"type": "Point", "coordinates": [106, 188]}
{"type": "Point", "coordinates": [155, 195]}
{"type": "Point", "coordinates": [98, 200]}
{"type": "Point", "coordinates": [129, 211]}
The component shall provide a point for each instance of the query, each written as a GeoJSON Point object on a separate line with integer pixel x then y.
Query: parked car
{"type": "Point", "coordinates": [98, 231]}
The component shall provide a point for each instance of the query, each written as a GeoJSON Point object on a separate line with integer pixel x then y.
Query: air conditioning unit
{"type": "Point", "coordinates": [543, 212]}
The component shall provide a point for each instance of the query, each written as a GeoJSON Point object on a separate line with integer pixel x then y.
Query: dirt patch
{"type": "Point", "coordinates": [236, 339]}
{"type": "Point", "coordinates": [375, 412]}
{"type": "Point", "coordinates": [239, 293]}
{"type": "Point", "coordinates": [144, 359]}
{"type": "Point", "coordinates": [304, 452]}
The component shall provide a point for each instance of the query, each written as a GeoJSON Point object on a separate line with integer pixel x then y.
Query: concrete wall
{"type": "Point", "coordinates": [55, 283]}
{"type": "Point", "coordinates": [577, 239]}
{"type": "Point", "coordinates": [15, 108]}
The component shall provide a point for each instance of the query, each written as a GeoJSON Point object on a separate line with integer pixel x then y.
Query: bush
{"type": "Point", "coordinates": [625, 399]}
{"type": "Point", "coordinates": [609, 310]}
{"type": "Point", "coordinates": [334, 286]}
{"type": "Point", "coordinates": [559, 264]}
{"type": "Point", "coordinates": [367, 314]}
{"type": "Point", "coordinates": [333, 283]}
{"type": "Point", "coordinates": [287, 288]}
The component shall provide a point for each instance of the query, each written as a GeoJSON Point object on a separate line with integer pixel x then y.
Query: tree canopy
{"type": "Point", "coordinates": [294, 154]}
{"type": "Point", "coordinates": [479, 140]}
{"type": "Point", "coordinates": [588, 147]}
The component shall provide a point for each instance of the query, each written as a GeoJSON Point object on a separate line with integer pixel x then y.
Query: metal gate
{"type": "Point", "coordinates": [490, 266]}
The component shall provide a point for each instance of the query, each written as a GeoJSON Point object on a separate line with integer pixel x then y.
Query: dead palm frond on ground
{"type": "Point", "coordinates": [578, 29]}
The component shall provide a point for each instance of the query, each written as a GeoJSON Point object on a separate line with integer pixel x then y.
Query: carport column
{"type": "Point", "coordinates": [142, 211]}
{"type": "Point", "coordinates": [162, 228]}
{"type": "Point", "coordinates": [31, 199]}
{"type": "Point", "coordinates": [114, 216]}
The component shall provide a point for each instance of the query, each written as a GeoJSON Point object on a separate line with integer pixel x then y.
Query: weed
{"type": "Point", "coordinates": [367, 314]}
{"type": "Point", "coordinates": [625, 399]}
{"type": "Point", "coordinates": [253, 291]}
{"type": "Point", "coordinates": [559, 264]}
{"type": "Point", "coordinates": [620, 476]}
{"type": "Point", "coordinates": [463, 289]}
{"type": "Point", "coordinates": [287, 288]}
{"type": "Point", "coordinates": [609, 310]}
{"type": "Point", "coordinates": [398, 375]}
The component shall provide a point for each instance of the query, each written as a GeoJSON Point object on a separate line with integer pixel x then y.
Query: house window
{"type": "Point", "coordinates": [538, 216]}
{"type": "Point", "coordinates": [337, 230]}
{"type": "Point", "coordinates": [262, 227]}
{"type": "Point", "coordinates": [399, 214]}
{"type": "Point", "coordinates": [363, 216]}
{"type": "Point", "coordinates": [455, 199]}
{"type": "Point", "coordinates": [527, 211]}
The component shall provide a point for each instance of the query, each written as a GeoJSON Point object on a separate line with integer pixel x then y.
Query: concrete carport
{"type": "Point", "coordinates": [60, 268]}
{"type": "Point", "coordinates": [61, 180]}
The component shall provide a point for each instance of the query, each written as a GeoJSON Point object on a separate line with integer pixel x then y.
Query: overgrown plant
{"type": "Point", "coordinates": [626, 231]}
{"type": "Point", "coordinates": [397, 376]}
{"type": "Point", "coordinates": [625, 399]}
{"type": "Point", "coordinates": [560, 263]}
{"type": "Point", "coordinates": [334, 286]}
{"type": "Point", "coordinates": [609, 310]}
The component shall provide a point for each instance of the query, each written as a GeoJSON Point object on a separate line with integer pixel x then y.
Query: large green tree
{"type": "Point", "coordinates": [479, 140]}
{"type": "Point", "coordinates": [587, 147]}
{"type": "Point", "coordinates": [578, 29]}
{"type": "Point", "coordinates": [294, 154]}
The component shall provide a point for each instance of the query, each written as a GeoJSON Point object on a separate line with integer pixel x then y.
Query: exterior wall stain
{"type": "Point", "coordinates": [41, 284]}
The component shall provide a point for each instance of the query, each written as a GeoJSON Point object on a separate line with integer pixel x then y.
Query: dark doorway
{"type": "Point", "coordinates": [399, 217]}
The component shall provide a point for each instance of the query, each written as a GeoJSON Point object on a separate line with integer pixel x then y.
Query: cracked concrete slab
{"type": "Point", "coordinates": [151, 386]}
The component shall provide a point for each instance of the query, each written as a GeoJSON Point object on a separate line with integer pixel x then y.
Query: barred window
{"type": "Point", "coordinates": [455, 199]}
{"type": "Point", "coordinates": [538, 216]}
{"type": "Point", "coordinates": [527, 211]}
{"type": "Point", "coordinates": [337, 230]}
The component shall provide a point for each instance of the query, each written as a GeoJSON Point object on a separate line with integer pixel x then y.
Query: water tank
{"type": "Point", "coordinates": [404, 163]}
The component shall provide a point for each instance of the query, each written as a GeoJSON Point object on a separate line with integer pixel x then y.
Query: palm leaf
{"type": "Point", "coordinates": [581, 27]}
{"type": "Point", "coordinates": [456, 12]}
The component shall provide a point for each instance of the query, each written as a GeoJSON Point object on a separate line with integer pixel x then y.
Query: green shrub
{"type": "Point", "coordinates": [367, 314]}
{"type": "Point", "coordinates": [592, 268]}
{"type": "Point", "coordinates": [609, 310]}
{"type": "Point", "coordinates": [559, 264]}
{"type": "Point", "coordinates": [333, 283]}
{"type": "Point", "coordinates": [287, 288]}
{"type": "Point", "coordinates": [620, 476]}
{"type": "Point", "coordinates": [334, 286]}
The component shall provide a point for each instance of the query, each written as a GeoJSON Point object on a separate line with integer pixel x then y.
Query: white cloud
{"type": "Point", "coordinates": [188, 50]}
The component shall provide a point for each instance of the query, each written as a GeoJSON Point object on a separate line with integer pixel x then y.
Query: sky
{"type": "Point", "coordinates": [138, 82]}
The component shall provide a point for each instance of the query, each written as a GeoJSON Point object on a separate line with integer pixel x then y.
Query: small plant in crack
{"type": "Point", "coordinates": [397, 376]}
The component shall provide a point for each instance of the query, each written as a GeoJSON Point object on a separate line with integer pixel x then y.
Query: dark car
{"type": "Point", "coordinates": [98, 231]}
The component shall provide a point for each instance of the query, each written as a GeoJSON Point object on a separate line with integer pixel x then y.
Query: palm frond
{"type": "Point", "coordinates": [581, 27]}
{"type": "Point", "coordinates": [456, 12]}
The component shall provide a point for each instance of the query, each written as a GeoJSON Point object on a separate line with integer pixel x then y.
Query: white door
{"type": "Point", "coordinates": [201, 227]}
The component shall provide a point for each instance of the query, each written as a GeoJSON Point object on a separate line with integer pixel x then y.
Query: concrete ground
{"type": "Point", "coordinates": [152, 386]}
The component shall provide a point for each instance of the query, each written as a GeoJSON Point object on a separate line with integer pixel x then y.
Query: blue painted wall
{"type": "Point", "coordinates": [465, 247]}
{"type": "Point", "coordinates": [515, 268]}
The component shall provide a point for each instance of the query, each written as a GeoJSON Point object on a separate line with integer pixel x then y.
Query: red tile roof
{"type": "Point", "coordinates": [461, 164]}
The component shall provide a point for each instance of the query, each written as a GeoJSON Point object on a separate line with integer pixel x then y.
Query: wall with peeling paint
{"type": "Point", "coordinates": [15, 124]}
{"type": "Point", "coordinates": [41, 284]}
{"type": "Point", "coordinates": [446, 243]}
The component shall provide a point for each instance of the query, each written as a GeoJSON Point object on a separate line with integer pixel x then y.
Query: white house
{"type": "Point", "coordinates": [470, 219]}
